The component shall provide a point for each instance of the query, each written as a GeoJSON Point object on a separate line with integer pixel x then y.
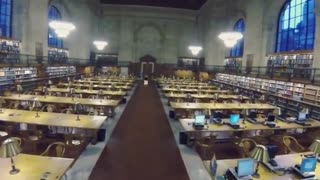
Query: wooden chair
{"type": "Point", "coordinates": [58, 150]}
{"type": "Point", "coordinates": [14, 105]}
{"type": "Point", "coordinates": [31, 139]}
{"type": "Point", "coordinates": [292, 145]}
{"type": "Point", "coordinates": [6, 132]}
{"type": "Point", "coordinates": [246, 146]}
{"type": "Point", "coordinates": [48, 108]}
{"type": "Point", "coordinates": [204, 146]}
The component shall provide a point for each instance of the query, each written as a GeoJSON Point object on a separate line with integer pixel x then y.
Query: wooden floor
{"type": "Point", "coordinates": [142, 146]}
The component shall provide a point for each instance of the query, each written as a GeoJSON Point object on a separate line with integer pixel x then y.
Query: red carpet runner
{"type": "Point", "coordinates": [142, 146]}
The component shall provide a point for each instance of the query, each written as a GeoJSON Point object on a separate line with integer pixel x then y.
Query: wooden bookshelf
{"type": "Point", "coordinates": [233, 62]}
{"type": "Point", "coordinates": [282, 88]}
{"type": "Point", "coordinates": [283, 64]}
{"type": "Point", "coordinates": [292, 105]}
{"type": "Point", "coordinates": [57, 54]}
{"type": "Point", "coordinates": [53, 71]}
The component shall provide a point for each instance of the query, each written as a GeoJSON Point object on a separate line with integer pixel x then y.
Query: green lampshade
{"type": "Point", "coordinates": [9, 148]}
{"type": "Point", "coordinates": [260, 153]}
{"type": "Point", "coordinates": [36, 103]}
{"type": "Point", "coordinates": [19, 88]}
{"type": "Point", "coordinates": [315, 146]}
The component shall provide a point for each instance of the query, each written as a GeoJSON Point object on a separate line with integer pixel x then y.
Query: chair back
{"type": "Point", "coordinates": [57, 147]}
{"type": "Point", "coordinates": [247, 145]}
{"type": "Point", "coordinates": [292, 145]}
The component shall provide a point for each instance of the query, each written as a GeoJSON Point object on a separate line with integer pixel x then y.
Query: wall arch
{"type": "Point", "coordinates": [148, 39]}
{"type": "Point", "coordinates": [62, 7]}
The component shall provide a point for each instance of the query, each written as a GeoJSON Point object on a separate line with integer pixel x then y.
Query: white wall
{"type": "Point", "coordinates": [134, 31]}
{"type": "Point", "coordinates": [166, 33]}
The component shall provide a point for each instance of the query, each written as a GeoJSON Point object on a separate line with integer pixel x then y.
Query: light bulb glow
{"type": "Point", "coordinates": [230, 39]}
{"type": "Point", "coordinates": [195, 49]}
{"type": "Point", "coordinates": [62, 28]}
{"type": "Point", "coordinates": [100, 45]}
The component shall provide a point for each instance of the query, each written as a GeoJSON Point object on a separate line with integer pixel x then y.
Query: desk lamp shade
{"type": "Point", "coordinates": [19, 89]}
{"type": "Point", "coordinates": [77, 109]}
{"type": "Point", "coordinates": [315, 146]}
{"type": "Point", "coordinates": [36, 103]}
{"type": "Point", "coordinates": [72, 91]}
{"type": "Point", "coordinates": [10, 148]}
{"type": "Point", "coordinates": [45, 90]}
{"type": "Point", "coordinates": [100, 92]}
{"type": "Point", "coordinates": [260, 153]}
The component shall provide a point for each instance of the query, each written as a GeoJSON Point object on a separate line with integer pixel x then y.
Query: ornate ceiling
{"type": "Point", "coordinates": [181, 4]}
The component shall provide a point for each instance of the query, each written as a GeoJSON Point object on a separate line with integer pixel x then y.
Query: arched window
{"type": "Point", "coordinates": [237, 50]}
{"type": "Point", "coordinates": [5, 17]}
{"type": "Point", "coordinates": [296, 26]}
{"type": "Point", "coordinates": [53, 39]}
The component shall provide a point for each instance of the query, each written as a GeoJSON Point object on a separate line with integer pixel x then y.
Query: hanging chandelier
{"type": "Point", "coordinates": [230, 39]}
{"type": "Point", "coordinates": [195, 49]}
{"type": "Point", "coordinates": [62, 28]}
{"type": "Point", "coordinates": [100, 45]}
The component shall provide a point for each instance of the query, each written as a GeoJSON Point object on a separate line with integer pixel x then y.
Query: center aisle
{"type": "Point", "coordinates": [142, 145]}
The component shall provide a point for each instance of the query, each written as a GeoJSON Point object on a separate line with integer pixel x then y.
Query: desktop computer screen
{"type": "Point", "coordinates": [302, 116]}
{"type": "Point", "coordinates": [218, 114]}
{"type": "Point", "coordinates": [253, 114]}
{"type": "Point", "coordinates": [246, 167]}
{"type": "Point", "coordinates": [308, 165]}
{"type": "Point", "coordinates": [234, 119]}
{"type": "Point", "coordinates": [200, 120]}
{"type": "Point", "coordinates": [271, 118]}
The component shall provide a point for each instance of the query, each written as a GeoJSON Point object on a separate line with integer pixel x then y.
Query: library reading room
{"type": "Point", "coordinates": [159, 90]}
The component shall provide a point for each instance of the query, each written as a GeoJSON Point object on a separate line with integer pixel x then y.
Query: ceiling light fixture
{"type": "Point", "coordinates": [62, 28]}
{"type": "Point", "coordinates": [100, 45]}
{"type": "Point", "coordinates": [195, 49]}
{"type": "Point", "coordinates": [230, 39]}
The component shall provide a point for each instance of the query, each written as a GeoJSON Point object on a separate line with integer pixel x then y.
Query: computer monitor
{"type": "Point", "coordinates": [252, 114]}
{"type": "Point", "coordinates": [308, 165]}
{"type": "Point", "coordinates": [246, 167]}
{"type": "Point", "coordinates": [283, 113]}
{"type": "Point", "coordinates": [302, 116]}
{"type": "Point", "coordinates": [218, 115]}
{"type": "Point", "coordinates": [272, 152]}
{"type": "Point", "coordinates": [200, 120]}
{"type": "Point", "coordinates": [234, 119]}
{"type": "Point", "coordinates": [271, 118]}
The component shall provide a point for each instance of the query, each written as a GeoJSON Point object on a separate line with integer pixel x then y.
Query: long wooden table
{"type": "Point", "coordinates": [194, 90]}
{"type": "Point", "coordinates": [103, 82]}
{"type": "Point", "coordinates": [33, 167]}
{"type": "Point", "coordinates": [222, 106]}
{"type": "Point", "coordinates": [284, 161]}
{"type": "Point", "coordinates": [110, 79]}
{"type": "Point", "coordinates": [188, 86]}
{"type": "Point", "coordinates": [84, 91]}
{"type": "Point", "coordinates": [52, 119]}
{"type": "Point", "coordinates": [94, 86]}
{"type": "Point", "coordinates": [63, 100]}
{"type": "Point", "coordinates": [248, 126]}
{"type": "Point", "coordinates": [204, 96]}
{"type": "Point", "coordinates": [182, 82]}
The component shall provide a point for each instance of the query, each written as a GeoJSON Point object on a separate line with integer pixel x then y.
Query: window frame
{"type": "Point", "coordinates": [238, 49]}
{"type": "Point", "coordinates": [6, 17]}
{"type": "Point", "coordinates": [280, 42]}
{"type": "Point", "coordinates": [55, 41]}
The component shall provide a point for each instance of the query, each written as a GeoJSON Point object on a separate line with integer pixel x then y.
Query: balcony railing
{"type": "Point", "coordinates": [305, 75]}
